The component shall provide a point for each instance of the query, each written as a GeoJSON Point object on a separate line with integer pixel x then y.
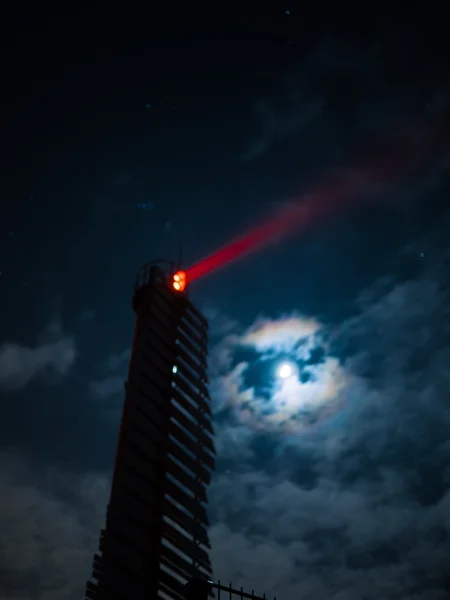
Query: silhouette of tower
{"type": "Point", "coordinates": [155, 538]}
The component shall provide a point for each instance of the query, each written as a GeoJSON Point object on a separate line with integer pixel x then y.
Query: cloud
{"type": "Point", "coordinates": [334, 93]}
{"type": "Point", "coordinates": [280, 335]}
{"type": "Point", "coordinates": [358, 508]}
{"type": "Point", "coordinates": [331, 541]}
{"type": "Point", "coordinates": [112, 383]}
{"type": "Point", "coordinates": [232, 442]}
{"type": "Point", "coordinates": [107, 387]}
{"type": "Point", "coordinates": [220, 324]}
{"type": "Point", "coordinates": [324, 384]}
{"type": "Point", "coordinates": [276, 126]}
{"type": "Point", "coordinates": [19, 365]}
{"type": "Point", "coordinates": [49, 527]}
{"type": "Point", "coordinates": [119, 361]}
{"type": "Point", "coordinates": [311, 393]}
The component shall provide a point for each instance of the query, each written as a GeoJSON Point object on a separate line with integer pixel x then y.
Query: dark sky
{"type": "Point", "coordinates": [124, 135]}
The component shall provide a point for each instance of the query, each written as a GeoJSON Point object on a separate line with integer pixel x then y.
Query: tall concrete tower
{"type": "Point", "coordinates": [155, 538]}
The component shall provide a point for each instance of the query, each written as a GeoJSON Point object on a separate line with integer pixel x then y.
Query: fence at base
{"type": "Point", "coordinates": [200, 589]}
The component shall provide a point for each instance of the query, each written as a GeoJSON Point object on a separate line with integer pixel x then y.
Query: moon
{"type": "Point", "coordinates": [285, 370]}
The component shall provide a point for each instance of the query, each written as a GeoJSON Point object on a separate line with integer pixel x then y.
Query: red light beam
{"type": "Point", "coordinates": [294, 216]}
{"type": "Point", "coordinates": [353, 186]}
{"type": "Point", "coordinates": [289, 219]}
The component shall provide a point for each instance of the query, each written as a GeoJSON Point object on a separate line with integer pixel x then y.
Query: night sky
{"type": "Point", "coordinates": [124, 136]}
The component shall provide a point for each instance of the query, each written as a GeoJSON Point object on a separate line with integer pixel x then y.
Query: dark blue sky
{"type": "Point", "coordinates": [123, 137]}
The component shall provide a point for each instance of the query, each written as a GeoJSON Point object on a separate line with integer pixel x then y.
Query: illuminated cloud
{"type": "Point", "coordinates": [293, 395]}
{"type": "Point", "coordinates": [313, 392]}
{"type": "Point", "coordinates": [281, 335]}
{"type": "Point", "coordinates": [293, 405]}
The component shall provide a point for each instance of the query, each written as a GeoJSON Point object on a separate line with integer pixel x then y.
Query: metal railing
{"type": "Point", "coordinates": [198, 589]}
{"type": "Point", "coordinates": [233, 592]}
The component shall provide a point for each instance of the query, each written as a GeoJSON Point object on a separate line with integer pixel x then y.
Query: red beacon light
{"type": "Point", "coordinates": [179, 281]}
